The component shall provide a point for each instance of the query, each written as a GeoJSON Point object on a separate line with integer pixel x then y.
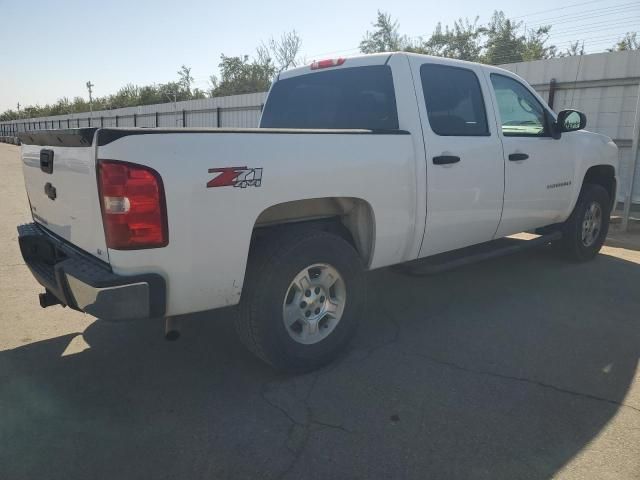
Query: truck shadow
{"type": "Point", "coordinates": [505, 369]}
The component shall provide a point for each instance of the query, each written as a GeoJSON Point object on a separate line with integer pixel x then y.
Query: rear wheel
{"type": "Point", "coordinates": [586, 229]}
{"type": "Point", "coordinates": [302, 298]}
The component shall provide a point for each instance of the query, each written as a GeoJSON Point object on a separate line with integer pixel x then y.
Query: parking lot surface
{"type": "Point", "coordinates": [524, 367]}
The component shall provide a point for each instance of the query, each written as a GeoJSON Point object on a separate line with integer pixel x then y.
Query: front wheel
{"type": "Point", "coordinates": [302, 299]}
{"type": "Point", "coordinates": [586, 229]}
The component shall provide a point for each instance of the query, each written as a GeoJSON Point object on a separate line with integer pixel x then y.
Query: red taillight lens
{"type": "Point", "coordinates": [134, 212]}
{"type": "Point", "coordinates": [331, 62]}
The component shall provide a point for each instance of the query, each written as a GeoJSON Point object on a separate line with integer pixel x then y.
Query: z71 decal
{"type": "Point", "coordinates": [235, 177]}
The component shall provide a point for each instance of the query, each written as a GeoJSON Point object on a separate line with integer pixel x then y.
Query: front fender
{"type": "Point", "coordinates": [591, 150]}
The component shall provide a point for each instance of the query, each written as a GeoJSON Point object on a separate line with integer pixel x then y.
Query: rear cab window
{"type": "Point", "coordinates": [343, 98]}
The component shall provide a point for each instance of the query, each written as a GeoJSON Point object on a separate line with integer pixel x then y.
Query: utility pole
{"type": "Point", "coordinates": [175, 105]}
{"type": "Point", "coordinates": [628, 198]}
{"type": "Point", "coordinates": [18, 109]}
{"type": "Point", "coordinates": [89, 87]}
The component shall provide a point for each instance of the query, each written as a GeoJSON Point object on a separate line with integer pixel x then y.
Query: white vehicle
{"type": "Point", "coordinates": [359, 164]}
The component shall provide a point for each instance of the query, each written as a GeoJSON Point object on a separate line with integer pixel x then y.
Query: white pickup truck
{"type": "Point", "coordinates": [358, 164]}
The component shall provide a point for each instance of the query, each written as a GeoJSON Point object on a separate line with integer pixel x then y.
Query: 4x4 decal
{"type": "Point", "coordinates": [235, 176]}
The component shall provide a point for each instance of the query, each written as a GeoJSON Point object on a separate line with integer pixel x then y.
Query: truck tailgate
{"type": "Point", "coordinates": [60, 176]}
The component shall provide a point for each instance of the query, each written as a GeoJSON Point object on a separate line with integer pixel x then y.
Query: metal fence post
{"type": "Point", "coordinates": [628, 198]}
{"type": "Point", "coordinates": [156, 119]}
{"type": "Point", "coordinates": [184, 118]}
{"type": "Point", "coordinates": [218, 117]}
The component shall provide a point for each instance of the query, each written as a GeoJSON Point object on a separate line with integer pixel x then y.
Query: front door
{"type": "Point", "coordinates": [465, 166]}
{"type": "Point", "coordinates": [539, 169]}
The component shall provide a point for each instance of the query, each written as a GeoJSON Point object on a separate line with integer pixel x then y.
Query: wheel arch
{"type": "Point", "coordinates": [605, 176]}
{"type": "Point", "coordinates": [350, 217]}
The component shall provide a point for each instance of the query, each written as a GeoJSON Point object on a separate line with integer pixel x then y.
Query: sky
{"type": "Point", "coordinates": [50, 49]}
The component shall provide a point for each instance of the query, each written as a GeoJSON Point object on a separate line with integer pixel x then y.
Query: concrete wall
{"type": "Point", "coordinates": [605, 86]}
{"type": "Point", "coordinates": [235, 111]}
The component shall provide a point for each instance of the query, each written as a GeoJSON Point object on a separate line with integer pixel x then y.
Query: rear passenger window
{"type": "Point", "coordinates": [454, 101]}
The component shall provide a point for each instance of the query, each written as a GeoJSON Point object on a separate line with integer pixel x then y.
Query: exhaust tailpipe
{"type": "Point", "coordinates": [171, 329]}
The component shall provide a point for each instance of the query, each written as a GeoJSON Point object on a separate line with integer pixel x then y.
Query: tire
{"type": "Point", "coordinates": [270, 298]}
{"type": "Point", "coordinates": [576, 244]}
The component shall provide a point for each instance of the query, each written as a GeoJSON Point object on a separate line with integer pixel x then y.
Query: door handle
{"type": "Point", "coordinates": [445, 159]}
{"type": "Point", "coordinates": [514, 157]}
{"type": "Point", "coordinates": [46, 161]}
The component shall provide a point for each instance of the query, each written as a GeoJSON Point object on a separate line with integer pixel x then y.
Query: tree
{"type": "Point", "coordinates": [185, 80]}
{"type": "Point", "coordinates": [385, 37]}
{"type": "Point", "coordinates": [249, 75]}
{"type": "Point", "coordinates": [505, 43]}
{"type": "Point", "coordinates": [61, 107]}
{"type": "Point", "coordinates": [128, 96]}
{"type": "Point", "coordinates": [149, 94]}
{"type": "Point", "coordinates": [462, 41]}
{"type": "Point", "coordinates": [501, 41]}
{"type": "Point", "coordinates": [284, 53]}
{"type": "Point", "coordinates": [241, 75]}
{"type": "Point", "coordinates": [534, 45]}
{"type": "Point", "coordinates": [576, 48]}
{"type": "Point", "coordinates": [629, 42]}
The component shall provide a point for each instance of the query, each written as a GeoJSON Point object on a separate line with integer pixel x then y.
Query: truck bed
{"type": "Point", "coordinates": [210, 219]}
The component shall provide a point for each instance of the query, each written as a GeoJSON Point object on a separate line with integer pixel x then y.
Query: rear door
{"type": "Point", "coordinates": [464, 163]}
{"type": "Point", "coordinates": [60, 177]}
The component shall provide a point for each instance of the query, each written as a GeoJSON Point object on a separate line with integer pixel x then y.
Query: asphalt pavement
{"type": "Point", "coordinates": [525, 367]}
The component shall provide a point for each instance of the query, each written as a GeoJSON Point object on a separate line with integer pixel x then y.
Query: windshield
{"type": "Point", "coordinates": [359, 97]}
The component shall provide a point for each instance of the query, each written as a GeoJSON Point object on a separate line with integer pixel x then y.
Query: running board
{"type": "Point", "coordinates": [476, 253]}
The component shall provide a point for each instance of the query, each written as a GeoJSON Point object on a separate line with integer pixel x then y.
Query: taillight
{"type": "Point", "coordinates": [331, 62]}
{"type": "Point", "coordinates": [134, 211]}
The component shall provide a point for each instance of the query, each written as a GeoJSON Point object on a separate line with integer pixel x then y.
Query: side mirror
{"type": "Point", "coordinates": [570, 121]}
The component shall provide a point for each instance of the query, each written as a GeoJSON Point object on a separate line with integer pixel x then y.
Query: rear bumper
{"type": "Point", "coordinates": [86, 284]}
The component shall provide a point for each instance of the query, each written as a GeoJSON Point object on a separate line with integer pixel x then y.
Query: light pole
{"type": "Point", "coordinates": [89, 87]}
